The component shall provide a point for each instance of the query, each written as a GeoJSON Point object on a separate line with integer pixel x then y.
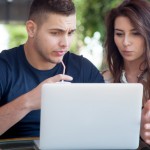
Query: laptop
{"type": "Point", "coordinates": [90, 116]}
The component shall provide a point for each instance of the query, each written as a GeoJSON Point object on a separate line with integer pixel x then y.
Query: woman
{"type": "Point", "coordinates": [128, 51]}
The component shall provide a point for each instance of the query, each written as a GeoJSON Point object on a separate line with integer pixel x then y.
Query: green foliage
{"type": "Point", "coordinates": [91, 15]}
{"type": "Point", "coordinates": [17, 34]}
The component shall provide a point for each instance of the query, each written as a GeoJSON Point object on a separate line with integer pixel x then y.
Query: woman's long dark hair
{"type": "Point", "coordinates": [138, 11]}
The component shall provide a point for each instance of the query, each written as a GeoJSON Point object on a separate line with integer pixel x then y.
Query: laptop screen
{"type": "Point", "coordinates": [90, 116]}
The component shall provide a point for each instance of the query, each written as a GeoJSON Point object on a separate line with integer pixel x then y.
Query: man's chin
{"type": "Point", "coordinates": [57, 61]}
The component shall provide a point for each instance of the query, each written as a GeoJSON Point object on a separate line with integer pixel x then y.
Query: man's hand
{"type": "Point", "coordinates": [145, 123]}
{"type": "Point", "coordinates": [34, 96]}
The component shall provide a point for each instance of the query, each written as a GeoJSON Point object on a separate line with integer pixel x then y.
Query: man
{"type": "Point", "coordinates": [24, 69]}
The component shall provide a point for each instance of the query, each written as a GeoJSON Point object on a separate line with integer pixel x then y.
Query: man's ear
{"type": "Point", "coordinates": [31, 27]}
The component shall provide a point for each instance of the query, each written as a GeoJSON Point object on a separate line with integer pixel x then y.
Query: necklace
{"type": "Point", "coordinates": [123, 78]}
{"type": "Point", "coordinates": [141, 76]}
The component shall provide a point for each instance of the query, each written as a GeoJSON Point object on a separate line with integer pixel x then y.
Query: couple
{"type": "Point", "coordinates": [41, 59]}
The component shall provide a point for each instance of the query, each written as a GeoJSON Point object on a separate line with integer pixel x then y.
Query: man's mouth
{"type": "Point", "coordinates": [59, 53]}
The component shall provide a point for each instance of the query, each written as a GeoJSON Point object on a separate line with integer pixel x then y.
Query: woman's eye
{"type": "Point", "coordinates": [119, 34]}
{"type": "Point", "coordinates": [136, 33]}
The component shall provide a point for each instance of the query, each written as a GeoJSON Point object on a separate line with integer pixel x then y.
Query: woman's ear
{"type": "Point", "coordinates": [31, 28]}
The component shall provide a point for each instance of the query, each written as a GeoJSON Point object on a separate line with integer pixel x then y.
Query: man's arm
{"type": "Point", "coordinates": [14, 111]}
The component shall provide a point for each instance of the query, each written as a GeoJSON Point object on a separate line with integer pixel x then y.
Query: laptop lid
{"type": "Point", "coordinates": [90, 116]}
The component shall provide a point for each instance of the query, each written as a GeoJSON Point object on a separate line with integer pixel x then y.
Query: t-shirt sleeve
{"type": "Point", "coordinates": [90, 73]}
{"type": "Point", "coordinates": [4, 77]}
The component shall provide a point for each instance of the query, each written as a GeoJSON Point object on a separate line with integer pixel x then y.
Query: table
{"type": "Point", "coordinates": [19, 144]}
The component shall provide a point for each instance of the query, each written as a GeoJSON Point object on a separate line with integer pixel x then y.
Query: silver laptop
{"type": "Point", "coordinates": [90, 116]}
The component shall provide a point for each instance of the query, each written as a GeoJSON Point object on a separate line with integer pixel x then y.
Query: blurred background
{"type": "Point", "coordinates": [88, 40]}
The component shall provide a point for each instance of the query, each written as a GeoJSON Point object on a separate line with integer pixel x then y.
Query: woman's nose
{"type": "Point", "coordinates": [126, 41]}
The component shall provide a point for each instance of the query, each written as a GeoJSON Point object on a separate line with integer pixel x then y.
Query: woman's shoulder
{"type": "Point", "coordinates": [108, 77]}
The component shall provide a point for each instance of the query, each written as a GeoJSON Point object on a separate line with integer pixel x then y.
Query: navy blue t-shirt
{"type": "Point", "coordinates": [18, 77]}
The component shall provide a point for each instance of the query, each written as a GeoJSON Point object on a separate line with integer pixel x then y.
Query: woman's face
{"type": "Point", "coordinates": [128, 40]}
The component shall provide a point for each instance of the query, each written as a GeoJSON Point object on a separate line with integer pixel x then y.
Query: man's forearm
{"type": "Point", "coordinates": [13, 112]}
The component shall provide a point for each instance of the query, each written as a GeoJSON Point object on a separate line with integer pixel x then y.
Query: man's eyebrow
{"type": "Point", "coordinates": [61, 30]}
{"type": "Point", "coordinates": [73, 30]}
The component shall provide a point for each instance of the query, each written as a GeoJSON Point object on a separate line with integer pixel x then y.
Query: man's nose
{"type": "Point", "coordinates": [64, 42]}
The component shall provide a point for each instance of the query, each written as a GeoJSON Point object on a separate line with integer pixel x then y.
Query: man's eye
{"type": "Point", "coordinates": [71, 33]}
{"type": "Point", "coordinates": [54, 33]}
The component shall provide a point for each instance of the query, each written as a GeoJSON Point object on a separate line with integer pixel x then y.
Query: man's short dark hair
{"type": "Point", "coordinates": [39, 8]}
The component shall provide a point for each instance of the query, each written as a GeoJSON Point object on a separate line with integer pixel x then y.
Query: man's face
{"type": "Point", "coordinates": [53, 38]}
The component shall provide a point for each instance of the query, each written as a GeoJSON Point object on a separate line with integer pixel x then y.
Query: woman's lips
{"type": "Point", "coordinates": [127, 52]}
